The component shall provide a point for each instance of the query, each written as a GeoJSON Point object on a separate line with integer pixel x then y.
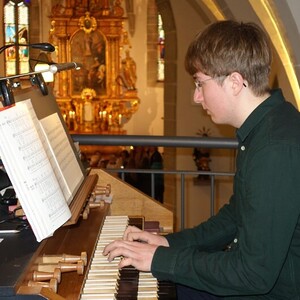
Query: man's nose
{"type": "Point", "coordinates": [198, 96]}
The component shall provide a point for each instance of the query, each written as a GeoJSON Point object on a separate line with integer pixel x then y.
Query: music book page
{"type": "Point", "coordinates": [30, 170]}
{"type": "Point", "coordinates": [62, 156]}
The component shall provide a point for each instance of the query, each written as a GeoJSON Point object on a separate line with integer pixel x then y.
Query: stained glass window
{"type": "Point", "coordinates": [16, 27]}
{"type": "Point", "coordinates": [160, 51]}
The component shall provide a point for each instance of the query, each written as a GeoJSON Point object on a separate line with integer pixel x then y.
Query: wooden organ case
{"type": "Point", "coordinates": [69, 251]}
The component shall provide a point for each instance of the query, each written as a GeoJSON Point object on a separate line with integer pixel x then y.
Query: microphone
{"type": "Point", "coordinates": [54, 68]}
{"type": "Point", "coordinates": [42, 46]}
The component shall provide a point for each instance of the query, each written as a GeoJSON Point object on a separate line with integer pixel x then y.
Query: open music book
{"type": "Point", "coordinates": [41, 165]}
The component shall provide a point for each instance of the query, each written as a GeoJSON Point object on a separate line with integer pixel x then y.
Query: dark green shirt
{"type": "Point", "coordinates": [260, 222]}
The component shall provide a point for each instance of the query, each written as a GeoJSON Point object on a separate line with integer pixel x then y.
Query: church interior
{"type": "Point", "coordinates": [123, 48]}
{"type": "Point", "coordinates": [132, 81]}
{"type": "Point", "coordinates": [106, 97]}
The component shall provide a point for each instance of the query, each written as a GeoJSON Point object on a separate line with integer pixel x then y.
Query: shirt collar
{"type": "Point", "coordinates": [259, 113]}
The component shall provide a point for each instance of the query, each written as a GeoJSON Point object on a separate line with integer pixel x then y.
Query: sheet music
{"type": "Point", "coordinates": [63, 159]}
{"type": "Point", "coordinates": [30, 171]}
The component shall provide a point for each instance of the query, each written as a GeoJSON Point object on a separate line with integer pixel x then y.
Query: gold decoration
{"type": "Point", "coordinates": [87, 23]}
{"type": "Point", "coordinates": [102, 96]}
{"type": "Point", "coordinates": [88, 94]}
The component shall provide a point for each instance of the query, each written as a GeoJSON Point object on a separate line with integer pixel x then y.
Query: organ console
{"type": "Point", "coordinates": [70, 265]}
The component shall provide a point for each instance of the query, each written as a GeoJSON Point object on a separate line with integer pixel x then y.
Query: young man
{"type": "Point", "coordinates": [259, 227]}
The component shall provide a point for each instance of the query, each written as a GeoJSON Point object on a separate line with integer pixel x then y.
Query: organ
{"type": "Point", "coordinates": [57, 267]}
{"type": "Point", "coordinates": [30, 270]}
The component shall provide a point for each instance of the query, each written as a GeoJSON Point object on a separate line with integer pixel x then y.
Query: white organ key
{"type": "Point", "coordinates": [104, 296]}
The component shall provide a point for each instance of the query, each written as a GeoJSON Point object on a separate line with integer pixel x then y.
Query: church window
{"type": "Point", "coordinates": [16, 31]}
{"type": "Point", "coordinates": [160, 50]}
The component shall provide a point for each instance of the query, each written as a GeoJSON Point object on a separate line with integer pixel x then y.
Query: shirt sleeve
{"type": "Point", "coordinates": [266, 215]}
{"type": "Point", "coordinates": [213, 234]}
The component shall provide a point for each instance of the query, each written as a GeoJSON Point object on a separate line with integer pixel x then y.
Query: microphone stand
{"type": "Point", "coordinates": [5, 84]}
{"type": "Point", "coordinates": [25, 74]}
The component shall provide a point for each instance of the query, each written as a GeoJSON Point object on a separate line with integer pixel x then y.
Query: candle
{"type": "Point", "coordinates": [72, 114]}
{"type": "Point", "coordinates": [100, 114]}
{"type": "Point", "coordinates": [120, 119]}
{"type": "Point", "coordinates": [104, 114]}
{"type": "Point", "coordinates": [109, 119]}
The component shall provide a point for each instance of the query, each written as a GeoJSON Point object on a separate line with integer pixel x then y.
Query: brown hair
{"type": "Point", "coordinates": [227, 46]}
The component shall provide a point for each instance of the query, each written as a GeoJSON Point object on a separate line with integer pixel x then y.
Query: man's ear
{"type": "Point", "coordinates": [237, 82]}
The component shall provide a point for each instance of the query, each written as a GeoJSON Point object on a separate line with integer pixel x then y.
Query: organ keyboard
{"type": "Point", "coordinates": [105, 281]}
{"type": "Point", "coordinates": [81, 239]}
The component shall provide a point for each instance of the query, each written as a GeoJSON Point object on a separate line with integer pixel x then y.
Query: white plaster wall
{"type": "Point", "coordinates": [294, 6]}
{"type": "Point", "coordinates": [191, 118]}
{"type": "Point", "coordinates": [148, 120]}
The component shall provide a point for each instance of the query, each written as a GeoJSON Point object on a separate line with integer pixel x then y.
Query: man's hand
{"type": "Point", "coordinates": [136, 254]}
{"type": "Point", "coordinates": [133, 233]}
{"type": "Point", "coordinates": [137, 248]}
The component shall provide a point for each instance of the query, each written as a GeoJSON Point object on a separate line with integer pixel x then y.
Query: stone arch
{"type": "Point", "coordinates": [163, 7]}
